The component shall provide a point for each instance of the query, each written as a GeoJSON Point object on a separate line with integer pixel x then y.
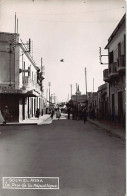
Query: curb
{"type": "Point", "coordinates": [108, 130]}
{"type": "Point", "coordinates": [42, 121]}
{"type": "Point", "coordinates": [18, 124]}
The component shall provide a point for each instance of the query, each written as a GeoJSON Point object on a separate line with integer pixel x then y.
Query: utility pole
{"type": "Point", "coordinates": [17, 25]}
{"type": "Point", "coordinates": [86, 81]}
{"type": "Point", "coordinates": [93, 85]}
{"type": "Point", "coordinates": [15, 22]}
{"type": "Point", "coordinates": [76, 103]}
{"type": "Point", "coordinates": [71, 89]}
{"type": "Point", "coordinates": [46, 96]}
{"type": "Point", "coordinates": [49, 84]}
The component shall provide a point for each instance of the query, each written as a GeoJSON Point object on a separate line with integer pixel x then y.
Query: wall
{"type": "Point", "coordinates": [7, 65]}
{"type": "Point", "coordinates": [119, 37]}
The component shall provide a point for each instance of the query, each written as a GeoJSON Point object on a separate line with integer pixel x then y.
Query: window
{"type": "Point", "coordinates": [111, 57]}
{"type": "Point", "coordinates": [115, 55]}
{"type": "Point", "coordinates": [119, 49]}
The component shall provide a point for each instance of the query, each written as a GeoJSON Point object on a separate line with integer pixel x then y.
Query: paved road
{"type": "Point", "coordinates": [87, 161]}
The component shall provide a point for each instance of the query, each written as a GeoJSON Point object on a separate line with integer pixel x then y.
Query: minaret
{"type": "Point", "coordinates": [78, 91]}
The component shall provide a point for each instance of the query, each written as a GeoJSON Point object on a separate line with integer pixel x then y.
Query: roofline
{"type": "Point", "coordinates": [116, 30]}
{"type": "Point", "coordinates": [22, 45]}
{"type": "Point", "coordinates": [9, 33]}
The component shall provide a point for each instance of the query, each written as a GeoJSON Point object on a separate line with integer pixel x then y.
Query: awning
{"type": "Point", "coordinates": [21, 93]}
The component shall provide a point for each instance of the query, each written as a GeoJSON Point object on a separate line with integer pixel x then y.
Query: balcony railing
{"type": "Point", "coordinates": [113, 69]}
{"type": "Point", "coordinates": [105, 75]}
{"type": "Point", "coordinates": [121, 63]}
{"type": "Point", "coordinates": [29, 84]}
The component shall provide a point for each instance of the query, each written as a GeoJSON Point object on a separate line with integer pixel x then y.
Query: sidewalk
{"type": "Point", "coordinates": [45, 119]}
{"type": "Point", "coordinates": [110, 127]}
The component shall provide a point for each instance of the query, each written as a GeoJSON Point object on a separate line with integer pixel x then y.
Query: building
{"type": "Point", "coordinates": [103, 102]}
{"type": "Point", "coordinates": [92, 99]}
{"type": "Point", "coordinates": [115, 74]}
{"type": "Point", "coordinates": [21, 86]}
{"type": "Point", "coordinates": [78, 98]}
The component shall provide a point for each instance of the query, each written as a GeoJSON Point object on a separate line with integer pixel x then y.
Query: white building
{"type": "Point", "coordinates": [115, 74]}
{"type": "Point", "coordinates": [20, 78]}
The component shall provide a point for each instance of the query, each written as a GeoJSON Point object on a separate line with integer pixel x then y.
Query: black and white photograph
{"type": "Point", "coordinates": [62, 98]}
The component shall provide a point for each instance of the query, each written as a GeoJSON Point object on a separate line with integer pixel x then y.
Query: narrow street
{"type": "Point", "coordinates": [87, 161]}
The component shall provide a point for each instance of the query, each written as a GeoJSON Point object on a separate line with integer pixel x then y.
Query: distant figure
{"type": "Point", "coordinates": [68, 111]}
{"type": "Point", "coordinates": [5, 114]}
{"type": "Point", "coordinates": [37, 113]}
{"type": "Point", "coordinates": [80, 114]}
{"type": "Point", "coordinates": [84, 115]}
{"type": "Point", "coordinates": [112, 116]}
{"type": "Point", "coordinates": [52, 113]}
{"type": "Point", "coordinates": [58, 114]}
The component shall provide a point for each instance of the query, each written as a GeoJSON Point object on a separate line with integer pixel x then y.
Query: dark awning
{"type": "Point", "coordinates": [21, 93]}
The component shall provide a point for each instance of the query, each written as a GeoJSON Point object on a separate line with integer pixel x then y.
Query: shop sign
{"type": "Point", "coordinates": [8, 89]}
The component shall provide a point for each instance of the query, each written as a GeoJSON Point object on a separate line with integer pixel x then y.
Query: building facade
{"type": "Point", "coordinates": [92, 100]}
{"type": "Point", "coordinates": [115, 74]}
{"type": "Point", "coordinates": [103, 102]}
{"type": "Point", "coordinates": [78, 98]}
{"type": "Point", "coordinates": [20, 78]}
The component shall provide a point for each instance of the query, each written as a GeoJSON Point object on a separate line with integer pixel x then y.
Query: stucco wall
{"type": "Point", "coordinates": [119, 37]}
{"type": "Point", "coordinates": [8, 60]}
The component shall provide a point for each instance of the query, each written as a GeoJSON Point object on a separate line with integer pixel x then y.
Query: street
{"type": "Point", "coordinates": [87, 160]}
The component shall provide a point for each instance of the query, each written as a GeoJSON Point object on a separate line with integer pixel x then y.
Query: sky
{"type": "Point", "coordinates": [72, 30]}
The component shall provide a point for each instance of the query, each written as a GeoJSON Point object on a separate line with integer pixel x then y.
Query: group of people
{"type": "Point", "coordinates": [57, 112]}
{"type": "Point", "coordinates": [80, 114]}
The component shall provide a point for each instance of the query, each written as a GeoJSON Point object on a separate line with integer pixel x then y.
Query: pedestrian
{"type": "Point", "coordinates": [68, 111]}
{"type": "Point", "coordinates": [112, 116]}
{"type": "Point", "coordinates": [37, 113]}
{"type": "Point", "coordinates": [58, 114]}
{"type": "Point", "coordinates": [84, 115]}
{"type": "Point", "coordinates": [52, 113]}
{"type": "Point", "coordinates": [5, 114]}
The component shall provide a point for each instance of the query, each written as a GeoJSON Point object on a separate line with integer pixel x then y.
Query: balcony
{"type": "Point", "coordinates": [121, 64]}
{"type": "Point", "coordinates": [105, 75]}
{"type": "Point", "coordinates": [113, 70]}
{"type": "Point", "coordinates": [29, 84]}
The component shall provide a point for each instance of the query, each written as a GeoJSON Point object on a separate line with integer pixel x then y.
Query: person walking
{"type": "Point", "coordinates": [52, 113]}
{"type": "Point", "coordinates": [58, 114]}
{"type": "Point", "coordinates": [5, 114]}
{"type": "Point", "coordinates": [37, 113]}
{"type": "Point", "coordinates": [68, 111]}
{"type": "Point", "coordinates": [84, 115]}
